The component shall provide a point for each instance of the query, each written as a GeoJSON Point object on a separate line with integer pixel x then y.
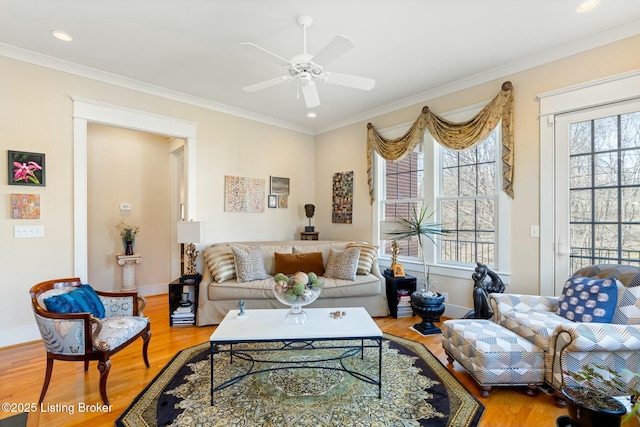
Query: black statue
{"type": "Point", "coordinates": [482, 287]}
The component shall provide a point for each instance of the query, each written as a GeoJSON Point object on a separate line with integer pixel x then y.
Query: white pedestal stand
{"type": "Point", "coordinates": [128, 263]}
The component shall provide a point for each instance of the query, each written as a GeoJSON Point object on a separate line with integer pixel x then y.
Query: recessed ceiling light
{"type": "Point", "coordinates": [587, 5]}
{"type": "Point", "coordinates": [61, 35]}
{"type": "Point", "coordinates": [311, 114]}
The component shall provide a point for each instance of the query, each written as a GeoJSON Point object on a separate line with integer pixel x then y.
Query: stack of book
{"type": "Point", "coordinates": [404, 303]}
{"type": "Point", "coordinates": [183, 315]}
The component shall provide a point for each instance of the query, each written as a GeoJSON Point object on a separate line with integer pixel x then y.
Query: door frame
{"type": "Point", "coordinates": [621, 87]}
{"type": "Point", "coordinates": [87, 111]}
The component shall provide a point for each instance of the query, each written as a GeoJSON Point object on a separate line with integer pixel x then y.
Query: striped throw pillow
{"type": "Point", "coordinates": [368, 254]}
{"type": "Point", "coordinates": [221, 264]}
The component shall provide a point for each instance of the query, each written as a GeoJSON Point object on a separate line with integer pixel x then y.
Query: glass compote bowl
{"type": "Point", "coordinates": [283, 291]}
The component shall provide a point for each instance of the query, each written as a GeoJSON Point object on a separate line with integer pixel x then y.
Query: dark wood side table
{"type": "Point", "coordinates": [186, 316]}
{"type": "Point", "coordinates": [393, 284]}
{"type": "Point", "coordinates": [309, 235]}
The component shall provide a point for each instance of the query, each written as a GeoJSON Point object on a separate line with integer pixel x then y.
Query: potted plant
{"type": "Point", "coordinates": [128, 235]}
{"type": "Point", "coordinates": [590, 401]}
{"type": "Point", "coordinates": [427, 303]}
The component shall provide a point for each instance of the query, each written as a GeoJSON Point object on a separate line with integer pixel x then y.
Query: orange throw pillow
{"type": "Point", "coordinates": [292, 263]}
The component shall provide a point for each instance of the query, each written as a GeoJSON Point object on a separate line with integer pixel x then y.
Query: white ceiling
{"type": "Point", "coordinates": [414, 49]}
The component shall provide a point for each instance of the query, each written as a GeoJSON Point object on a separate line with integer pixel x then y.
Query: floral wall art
{"type": "Point", "coordinates": [243, 194]}
{"type": "Point", "coordinates": [342, 206]}
{"type": "Point", "coordinates": [26, 168]}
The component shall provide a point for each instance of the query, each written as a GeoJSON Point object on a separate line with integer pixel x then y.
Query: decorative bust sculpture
{"type": "Point", "coordinates": [309, 210]}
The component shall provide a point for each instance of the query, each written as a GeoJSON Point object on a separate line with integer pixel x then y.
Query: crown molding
{"type": "Point", "coordinates": [117, 80]}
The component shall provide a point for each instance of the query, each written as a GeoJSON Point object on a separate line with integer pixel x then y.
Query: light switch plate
{"type": "Point", "coordinates": [125, 206]}
{"type": "Point", "coordinates": [28, 231]}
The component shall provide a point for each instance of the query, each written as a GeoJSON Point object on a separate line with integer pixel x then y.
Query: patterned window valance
{"type": "Point", "coordinates": [456, 136]}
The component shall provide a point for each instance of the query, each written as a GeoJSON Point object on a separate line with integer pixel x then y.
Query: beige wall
{"type": "Point", "coordinates": [132, 167]}
{"type": "Point", "coordinates": [595, 64]}
{"type": "Point", "coordinates": [36, 115]}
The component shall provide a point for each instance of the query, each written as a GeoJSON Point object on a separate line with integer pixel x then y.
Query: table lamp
{"type": "Point", "coordinates": [189, 233]}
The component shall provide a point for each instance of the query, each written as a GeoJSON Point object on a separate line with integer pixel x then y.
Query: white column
{"type": "Point", "coordinates": [128, 263]}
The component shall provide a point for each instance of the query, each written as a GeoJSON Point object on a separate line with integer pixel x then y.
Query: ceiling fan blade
{"type": "Point", "coordinates": [268, 55]}
{"type": "Point", "coordinates": [310, 94]}
{"type": "Point", "coordinates": [336, 48]}
{"type": "Point", "coordinates": [362, 83]}
{"type": "Point", "coordinates": [267, 83]}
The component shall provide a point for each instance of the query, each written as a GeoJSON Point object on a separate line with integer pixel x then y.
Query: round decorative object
{"type": "Point", "coordinates": [429, 308]}
{"type": "Point", "coordinates": [296, 295]}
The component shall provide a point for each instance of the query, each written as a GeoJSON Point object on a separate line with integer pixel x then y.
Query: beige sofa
{"type": "Point", "coordinates": [216, 299]}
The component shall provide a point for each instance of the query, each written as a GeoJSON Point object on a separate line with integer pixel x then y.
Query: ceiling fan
{"type": "Point", "coordinates": [306, 69]}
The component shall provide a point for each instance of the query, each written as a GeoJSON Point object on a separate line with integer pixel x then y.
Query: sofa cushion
{"type": "Point", "coordinates": [249, 263]}
{"type": "Point", "coordinates": [292, 263]}
{"type": "Point", "coordinates": [535, 326]}
{"type": "Point", "coordinates": [220, 262]}
{"type": "Point", "coordinates": [342, 264]}
{"type": "Point", "coordinates": [325, 248]}
{"type": "Point", "coordinates": [587, 299]}
{"type": "Point", "coordinates": [79, 300]}
{"type": "Point", "coordinates": [368, 254]}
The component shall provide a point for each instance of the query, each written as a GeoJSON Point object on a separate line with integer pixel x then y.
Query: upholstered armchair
{"type": "Point", "coordinates": [570, 345]}
{"type": "Point", "coordinates": [87, 325]}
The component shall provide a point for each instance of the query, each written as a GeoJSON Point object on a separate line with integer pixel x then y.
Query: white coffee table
{"type": "Point", "coordinates": [268, 326]}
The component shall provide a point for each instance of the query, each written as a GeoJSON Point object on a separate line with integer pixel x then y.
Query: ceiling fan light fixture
{"type": "Point", "coordinates": [61, 35]}
{"type": "Point", "coordinates": [311, 115]}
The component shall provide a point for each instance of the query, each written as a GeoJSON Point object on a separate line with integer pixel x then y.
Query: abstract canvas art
{"type": "Point", "coordinates": [342, 206]}
{"type": "Point", "coordinates": [25, 206]}
{"type": "Point", "coordinates": [243, 194]}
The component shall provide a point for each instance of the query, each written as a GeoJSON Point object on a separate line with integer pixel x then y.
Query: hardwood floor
{"type": "Point", "coordinates": [22, 372]}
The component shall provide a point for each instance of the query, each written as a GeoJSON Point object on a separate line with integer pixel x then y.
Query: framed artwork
{"type": "Point", "coordinates": [342, 206]}
{"type": "Point", "coordinates": [272, 201]}
{"type": "Point", "coordinates": [25, 206]}
{"type": "Point", "coordinates": [26, 168]}
{"type": "Point", "coordinates": [279, 186]}
{"type": "Point", "coordinates": [283, 202]}
{"type": "Point", "coordinates": [243, 194]}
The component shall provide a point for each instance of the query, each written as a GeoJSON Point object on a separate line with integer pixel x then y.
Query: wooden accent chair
{"type": "Point", "coordinates": [82, 336]}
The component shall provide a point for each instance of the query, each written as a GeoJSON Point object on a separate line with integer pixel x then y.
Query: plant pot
{"type": "Point", "coordinates": [429, 308]}
{"type": "Point", "coordinates": [592, 408]}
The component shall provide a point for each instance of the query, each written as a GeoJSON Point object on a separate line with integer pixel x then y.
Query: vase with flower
{"type": "Point", "coordinates": [128, 236]}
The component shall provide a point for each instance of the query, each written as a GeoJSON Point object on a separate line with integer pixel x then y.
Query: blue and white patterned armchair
{"type": "Point", "coordinates": [81, 336]}
{"type": "Point", "coordinates": [569, 345]}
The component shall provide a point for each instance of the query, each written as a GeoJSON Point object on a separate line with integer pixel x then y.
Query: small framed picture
{"type": "Point", "coordinates": [283, 202]}
{"type": "Point", "coordinates": [26, 168]}
{"type": "Point", "coordinates": [279, 186]}
{"type": "Point", "coordinates": [272, 201]}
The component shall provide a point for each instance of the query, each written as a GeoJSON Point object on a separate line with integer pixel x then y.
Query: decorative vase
{"type": "Point", "coordinates": [429, 308]}
{"type": "Point", "coordinates": [128, 247]}
{"type": "Point", "coordinates": [296, 315]}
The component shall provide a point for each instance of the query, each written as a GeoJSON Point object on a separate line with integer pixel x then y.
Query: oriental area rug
{"type": "Point", "coordinates": [417, 390]}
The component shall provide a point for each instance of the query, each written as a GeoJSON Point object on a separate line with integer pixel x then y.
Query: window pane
{"type": "Point", "coordinates": [630, 129]}
{"type": "Point", "coordinates": [580, 138]}
{"type": "Point", "coordinates": [606, 205]}
{"type": "Point", "coordinates": [404, 178]}
{"type": "Point", "coordinates": [606, 243]}
{"type": "Point", "coordinates": [485, 215]}
{"type": "Point", "coordinates": [631, 244]}
{"type": "Point", "coordinates": [606, 169]}
{"type": "Point", "coordinates": [605, 133]}
{"type": "Point", "coordinates": [630, 164]}
{"type": "Point", "coordinates": [449, 215]}
{"type": "Point", "coordinates": [450, 182]}
{"type": "Point", "coordinates": [580, 201]}
{"type": "Point", "coordinates": [486, 178]}
{"type": "Point", "coordinates": [449, 158]}
{"type": "Point", "coordinates": [485, 248]}
{"type": "Point", "coordinates": [581, 240]}
{"type": "Point", "coordinates": [580, 173]}
{"type": "Point", "coordinates": [467, 157]}
{"type": "Point", "coordinates": [486, 150]}
{"type": "Point", "coordinates": [631, 204]}
{"type": "Point", "coordinates": [467, 215]}
{"type": "Point", "coordinates": [468, 180]}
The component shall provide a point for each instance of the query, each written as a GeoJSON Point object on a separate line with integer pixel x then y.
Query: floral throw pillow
{"type": "Point", "coordinates": [342, 264]}
{"type": "Point", "coordinates": [249, 263]}
{"type": "Point", "coordinates": [588, 299]}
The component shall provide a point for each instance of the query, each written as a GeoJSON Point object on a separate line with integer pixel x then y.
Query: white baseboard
{"type": "Point", "coordinates": [455, 311]}
{"type": "Point", "coordinates": [19, 335]}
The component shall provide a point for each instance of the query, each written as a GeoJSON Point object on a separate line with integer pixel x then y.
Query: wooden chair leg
{"type": "Point", "coordinates": [47, 379]}
{"type": "Point", "coordinates": [146, 337]}
{"type": "Point", "coordinates": [86, 365]}
{"type": "Point", "coordinates": [531, 390]}
{"type": "Point", "coordinates": [104, 367]}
